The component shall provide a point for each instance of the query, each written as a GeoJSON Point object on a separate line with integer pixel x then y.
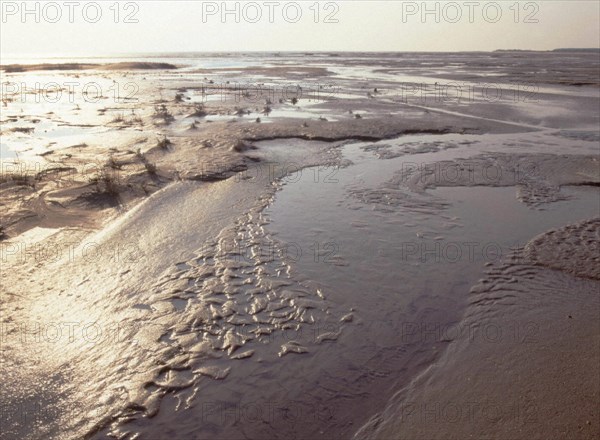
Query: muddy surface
{"type": "Point", "coordinates": [315, 246]}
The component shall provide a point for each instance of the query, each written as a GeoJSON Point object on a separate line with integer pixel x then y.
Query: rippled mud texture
{"type": "Point", "coordinates": [139, 311]}
{"type": "Point", "coordinates": [232, 301]}
{"type": "Point", "coordinates": [193, 284]}
{"type": "Point", "coordinates": [574, 249]}
{"type": "Point", "coordinates": [87, 181]}
{"type": "Point", "coordinates": [527, 347]}
{"type": "Point", "coordinates": [538, 178]}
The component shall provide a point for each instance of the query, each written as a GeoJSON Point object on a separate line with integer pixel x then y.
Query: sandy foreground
{"type": "Point", "coordinates": [267, 249]}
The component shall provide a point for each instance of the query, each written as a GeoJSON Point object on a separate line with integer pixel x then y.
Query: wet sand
{"type": "Point", "coordinates": [522, 365]}
{"type": "Point", "coordinates": [195, 259]}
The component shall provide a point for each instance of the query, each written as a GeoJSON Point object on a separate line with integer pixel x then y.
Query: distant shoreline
{"type": "Point", "coordinates": [17, 68]}
{"type": "Point", "coordinates": [276, 53]}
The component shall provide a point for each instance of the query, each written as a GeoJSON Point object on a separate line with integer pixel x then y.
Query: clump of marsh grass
{"type": "Point", "coordinates": [150, 166]}
{"type": "Point", "coordinates": [106, 182]}
{"type": "Point", "coordinates": [135, 119]}
{"type": "Point", "coordinates": [20, 178]}
{"type": "Point", "coordinates": [162, 112]}
{"type": "Point", "coordinates": [112, 163]}
{"type": "Point", "coordinates": [118, 118]}
{"type": "Point", "coordinates": [164, 143]}
{"type": "Point", "coordinates": [199, 111]}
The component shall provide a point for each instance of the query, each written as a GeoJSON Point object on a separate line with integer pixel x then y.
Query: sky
{"type": "Point", "coordinates": [98, 28]}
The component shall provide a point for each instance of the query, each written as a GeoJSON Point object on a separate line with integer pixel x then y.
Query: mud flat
{"type": "Point", "coordinates": [573, 249]}
{"type": "Point", "coordinates": [194, 261]}
{"type": "Point", "coordinates": [524, 361]}
{"type": "Point", "coordinates": [452, 234]}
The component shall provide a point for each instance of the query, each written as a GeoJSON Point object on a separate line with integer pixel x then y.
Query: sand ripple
{"type": "Point", "coordinates": [574, 249]}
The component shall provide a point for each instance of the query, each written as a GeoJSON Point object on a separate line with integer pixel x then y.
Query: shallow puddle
{"type": "Point", "coordinates": [403, 274]}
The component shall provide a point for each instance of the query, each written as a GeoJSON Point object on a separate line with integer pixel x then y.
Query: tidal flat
{"type": "Point", "coordinates": [294, 246]}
